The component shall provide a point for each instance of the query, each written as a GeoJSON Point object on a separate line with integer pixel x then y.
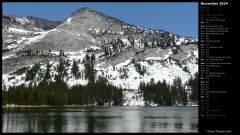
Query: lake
{"type": "Point", "coordinates": [100, 119]}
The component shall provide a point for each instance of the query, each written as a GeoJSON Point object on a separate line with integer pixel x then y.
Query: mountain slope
{"type": "Point", "coordinates": [43, 23]}
{"type": "Point", "coordinates": [125, 54]}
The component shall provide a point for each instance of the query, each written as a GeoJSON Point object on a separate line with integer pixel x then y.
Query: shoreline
{"type": "Point", "coordinates": [46, 106]}
{"type": "Point", "coordinates": [26, 106]}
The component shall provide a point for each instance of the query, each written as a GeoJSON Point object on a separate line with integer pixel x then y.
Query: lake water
{"type": "Point", "coordinates": [100, 119]}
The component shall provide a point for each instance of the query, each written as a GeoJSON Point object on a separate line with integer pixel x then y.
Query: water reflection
{"type": "Point", "coordinates": [194, 126]}
{"type": "Point", "coordinates": [100, 119]}
{"type": "Point", "coordinates": [178, 125]}
{"type": "Point", "coordinates": [44, 122]}
{"type": "Point", "coordinates": [59, 122]}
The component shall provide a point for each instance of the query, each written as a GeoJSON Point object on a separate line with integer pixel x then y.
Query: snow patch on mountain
{"type": "Point", "coordinates": [18, 31]}
{"type": "Point", "coordinates": [8, 56]}
{"type": "Point", "coordinates": [68, 20]}
{"type": "Point", "coordinates": [195, 53]}
{"type": "Point", "coordinates": [22, 20]}
{"type": "Point", "coordinates": [123, 64]}
{"type": "Point", "coordinates": [180, 40]}
{"type": "Point", "coordinates": [13, 80]}
{"type": "Point", "coordinates": [37, 38]}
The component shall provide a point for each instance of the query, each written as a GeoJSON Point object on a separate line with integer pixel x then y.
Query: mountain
{"type": "Point", "coordinates": [125, 54]}
{"type": "Point", "coordinates": [43, 23]}
{"type": "Point", "coordinates": [16, 29]}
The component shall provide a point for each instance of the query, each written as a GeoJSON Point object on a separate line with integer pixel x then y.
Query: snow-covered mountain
{"type": "Point", "coordinates": [126, 54]}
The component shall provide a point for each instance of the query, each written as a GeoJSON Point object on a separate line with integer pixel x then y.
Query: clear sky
{"type": "Point", "coordinates": [178, 18]}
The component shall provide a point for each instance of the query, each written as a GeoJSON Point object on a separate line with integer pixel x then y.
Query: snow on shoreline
{"type": "Point", "coordinates": [74, 105]}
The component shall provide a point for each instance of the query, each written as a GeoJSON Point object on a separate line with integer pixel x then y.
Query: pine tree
{"type": "Point", "coordinates": [153, 44]}
{"type": "Point", "coordinates": [92, 71]}
{"type": "Point", "coordinates": [132, 42]}
{"type": "Point", "coordinates": [115, 47]}
{"type": "Point", "coordinates": [75, 69]}
{"type": "Point", "coordinates": [106, 50]}
{"type": "Point", "coordinates": [89, 68]}
{"type": "Point", "coordinates": [61, 70]}
{"type": "Point", "coordinates": [47, 74]}
{"type": "Point", "coordinates": [133, 61]}
{"type": "Point", "coordinates": [178, 92]}
{"type": "Point", "coordinates": [31, 73]}
{"type": "Point", "coordinates": [61, 53]}
{"type": "Point", "coordinates": [145, 44]}
{"type": "Point", "coordinates": [193, 84]}
{"type": "Point", "coordinates": [60, 67]}
{"type": "Point", "coordinates": [185, 68]}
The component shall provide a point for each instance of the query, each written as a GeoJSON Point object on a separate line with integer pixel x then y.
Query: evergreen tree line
{"type": "Point", "coordinates": [57, 93]}
{"type": "Point", "coordinates": [38, 53]}
{"type": "Point", "coordinates": [98, 92]}
{"type": "Point", "coordinates": [162, 93]}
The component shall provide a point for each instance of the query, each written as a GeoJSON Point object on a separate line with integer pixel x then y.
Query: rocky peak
{"type": "Point", "coordinates": [92, 14]}
{"type": "Point", "coordinates": [84, 10]}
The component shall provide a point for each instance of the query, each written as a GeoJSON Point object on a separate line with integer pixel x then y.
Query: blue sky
{"type": "Point", "coordinates": [179, 18]}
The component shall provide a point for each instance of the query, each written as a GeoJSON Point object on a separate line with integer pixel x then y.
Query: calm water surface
{"type": "Point", "coordinates": [100, 119]}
